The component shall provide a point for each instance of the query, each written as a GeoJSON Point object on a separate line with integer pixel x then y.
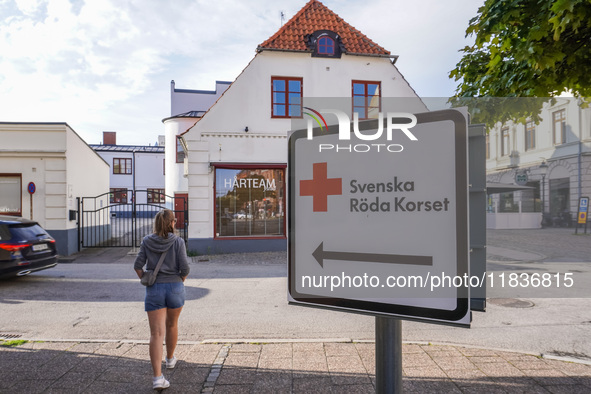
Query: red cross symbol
{"type": "Point", "coordinates": [320, 187]}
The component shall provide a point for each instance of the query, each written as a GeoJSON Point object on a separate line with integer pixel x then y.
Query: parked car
{"type": "Point", "coordinates": [25, 247]}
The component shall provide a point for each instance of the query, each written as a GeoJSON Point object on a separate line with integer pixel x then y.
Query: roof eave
{"type": "Point", "coordinates": [393, 57]}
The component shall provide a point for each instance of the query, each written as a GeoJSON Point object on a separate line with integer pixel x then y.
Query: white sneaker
{"type": "Point", "coordinates": [160, 382]}
{"type": "Point", "coordinates": [171, 362]}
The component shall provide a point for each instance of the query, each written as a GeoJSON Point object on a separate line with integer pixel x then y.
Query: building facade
{"type": "Point", "coordinates": [551, 160]}
{"type": "Point", "coordinates": [62, 167]}
{"type": "Point", "coordinates": [187, 107]}
{"type": "Point", "coordinates": [133, 168]}
{"type": "Point", "coordinates": [237, 151]}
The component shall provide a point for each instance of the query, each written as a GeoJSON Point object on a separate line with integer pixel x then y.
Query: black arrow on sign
{"type": "Point", "coordinates": [320, 255]}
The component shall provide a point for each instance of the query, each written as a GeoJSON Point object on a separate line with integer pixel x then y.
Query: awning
{"type": "Point", "coordinates": [496, 187]}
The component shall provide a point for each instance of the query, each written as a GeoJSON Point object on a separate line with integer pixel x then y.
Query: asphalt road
{"type": "Point", "coordinates": [243, 296]}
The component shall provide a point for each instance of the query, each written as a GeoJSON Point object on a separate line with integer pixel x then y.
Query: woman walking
{"type": "Point", "coordinates": [166, 297]}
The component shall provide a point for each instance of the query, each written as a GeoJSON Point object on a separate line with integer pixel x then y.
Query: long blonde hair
{"type": "Point", "coordinates": [164, 223]}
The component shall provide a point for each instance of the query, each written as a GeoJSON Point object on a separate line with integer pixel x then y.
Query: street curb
{"type": "Point", "coordinates": [260, 341]}
{"type": "Point", "coordinates": [276, 340]}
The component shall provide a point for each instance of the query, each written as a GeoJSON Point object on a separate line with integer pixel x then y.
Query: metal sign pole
{"type": "Point", "coordinates": [388, 355]}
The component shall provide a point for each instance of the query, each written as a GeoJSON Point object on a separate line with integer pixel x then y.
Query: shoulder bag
{"type": "Point", "coordinates": [149, 276]}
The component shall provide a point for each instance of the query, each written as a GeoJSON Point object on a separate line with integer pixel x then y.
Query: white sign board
{"type": "Point", "coordinates": [380, 225]}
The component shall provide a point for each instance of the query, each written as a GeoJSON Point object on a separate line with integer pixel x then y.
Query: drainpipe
{"type": "Point", "coordinates": [580, 146]}
{"type": "Point", "coordinates": [133, 175]}
{"type": "Point", "coordinates": [133, 223]}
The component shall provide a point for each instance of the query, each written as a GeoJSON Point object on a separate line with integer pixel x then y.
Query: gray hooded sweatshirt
{"type": "Point", "coordinates": [175, 264]}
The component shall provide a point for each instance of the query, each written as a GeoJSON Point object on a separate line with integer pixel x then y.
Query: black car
{"type": "Point", "coordinates": [25, 247]}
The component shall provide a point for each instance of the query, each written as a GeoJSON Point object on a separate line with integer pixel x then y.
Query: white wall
{"type": "Point", "coordinates": [562, 159]}
{"type": "Point", "coordinates": [184, 100]}
{"type": "Point", "coordinates": [175, 180]}
{"type": "Point", "coordinates": [87, 173]}
{"type": "Point", "coordinates": [249, 97]}
{"type": "Point", "coordinates": [220, 137]}
{"type": "Point", "coordinates": [578, 124]}
{"type": "Point", "coordinates": [61, 165]}
{"type": "Point", "coordinates": [149, 170]}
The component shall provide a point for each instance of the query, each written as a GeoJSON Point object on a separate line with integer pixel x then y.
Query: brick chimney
{"type": "Point", "coordinates": [109, 138]}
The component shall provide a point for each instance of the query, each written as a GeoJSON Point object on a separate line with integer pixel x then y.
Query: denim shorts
{"type": "Point", "coordinates": [165, 295]}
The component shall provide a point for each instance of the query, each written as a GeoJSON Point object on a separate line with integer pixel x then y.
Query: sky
{"type": "Point", "coordinates": [106, 65]}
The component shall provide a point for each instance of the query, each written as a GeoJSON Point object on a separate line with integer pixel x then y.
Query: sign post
{"type": "Point", "coordinates": [582, 213]}
{"type": "Point", "coordinates": [31, 189]}
{"type": "Point", "coordinates": [388, 355]}
{"type": "Point", "coordinates": [378, 224]}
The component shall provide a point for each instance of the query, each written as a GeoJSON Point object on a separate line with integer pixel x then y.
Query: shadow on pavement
{"type": "Point", "coordinates": [43, 288]}
{"type": "Point", "coordinates": [69, 367]}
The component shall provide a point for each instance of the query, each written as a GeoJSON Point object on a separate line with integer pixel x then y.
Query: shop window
{"type": "Point", "coordinates": [122, 166]}
{"type": "Point", "coordinates": [505, 141]}
{"type": "Point", "coordinates": [11, 194]}
{"type": "Point", "coordinates": [286, 97]}
{"type": "Point", "coordinates": [559, 127]}
{"type": "Point", "coordinates": [118, 196]}
{"type": "Point", "coordinates": [249, 202]}
{"type": "Point", "coordinates": [530, 135]}
{"type": "Point", "coordinates": [367, 99]}
{"type": "Point", "coordinates": [507, 203]}
{"type": "Point", "coordinates": [559, 197]}
{"type": "Point", "coordinates": [531, 198]}
{"type": "Point", "coordinates": [180, 153]}
{"type": "Point", "coordinates": [156, 196]}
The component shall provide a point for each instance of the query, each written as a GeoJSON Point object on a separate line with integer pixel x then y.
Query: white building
{"type": "Point", "coordinates": [62, 167]}
{"type": "Point", "coordinates": [515, 153]}
{"type": "Point", "coordinates": [133, 168]}
{"type": "Point", "coordinates": [237, 151]}
{"type": "Point", "coordinates": [187, 108]}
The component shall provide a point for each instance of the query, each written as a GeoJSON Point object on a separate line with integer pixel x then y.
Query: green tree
{"type": "Point", "coordinates": [526, 48]}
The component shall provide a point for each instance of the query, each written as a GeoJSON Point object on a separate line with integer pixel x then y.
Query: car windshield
{"type": "Point", "coordinates": [27, 231]}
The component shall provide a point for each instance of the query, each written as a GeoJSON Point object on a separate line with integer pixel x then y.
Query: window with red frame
{"type": "Point", "coordinates": [325, 46]}
{"type": "Point", "coordinates": [249, 202]}
{"type": "Point", "coordinates": [286, 97]}
{"type": "Point", "coordinates": [118, 196]}
{"type": "Point", "coordinates": [367, 98]}
{"type": "Point", "coordinates": [122, 166]}
{"type": "Point", "coordinates": [156, 196]}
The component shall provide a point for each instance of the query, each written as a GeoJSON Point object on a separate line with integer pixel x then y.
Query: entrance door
{"type": "Point", "coordinates": [180, 209]}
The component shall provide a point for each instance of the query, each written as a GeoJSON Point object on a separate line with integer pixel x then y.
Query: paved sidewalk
{"type": "Point", "coordinates": [288, 367]}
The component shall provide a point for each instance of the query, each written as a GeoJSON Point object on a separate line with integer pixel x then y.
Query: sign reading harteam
{"type": "Point", "coordinates": [236, 183]}
{"type": "Point", "coordinates": [378, 233]}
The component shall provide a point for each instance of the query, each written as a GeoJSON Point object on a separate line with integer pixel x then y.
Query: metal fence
{"type": "Point", "coordinates": [124, 217]}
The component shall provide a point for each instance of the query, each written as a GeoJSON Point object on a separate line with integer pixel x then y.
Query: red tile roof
{"type": "Point", "coordinates": [316, 16]}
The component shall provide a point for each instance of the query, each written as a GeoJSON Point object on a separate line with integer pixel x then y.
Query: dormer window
{"type": "Point", "coordinates": [325, 46]}
{"type": "Point", "coordinates": [325, 43]}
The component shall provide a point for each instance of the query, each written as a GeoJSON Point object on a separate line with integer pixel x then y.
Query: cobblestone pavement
{"type": "Point", "coordinates": [290, 367]}
{"type": "Point", "coordinates": [553, 244]}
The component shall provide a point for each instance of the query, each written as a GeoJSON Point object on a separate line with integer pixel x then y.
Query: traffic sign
{"type": "Point", "coordinates": [31, 188]}
{"type": "Point", "coordinates": [380, 225]}
{"type": "Point", "coordinates": [583, 210]}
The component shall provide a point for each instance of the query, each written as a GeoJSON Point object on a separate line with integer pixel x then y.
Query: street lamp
{"type": "Point", "coordinates": [543, 172]}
